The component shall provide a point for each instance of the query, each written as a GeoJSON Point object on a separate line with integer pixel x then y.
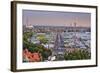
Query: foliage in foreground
{"type": "Point", "coordinates": [77, 55]}
{"type": "Point", "coordinates": [45, 53]}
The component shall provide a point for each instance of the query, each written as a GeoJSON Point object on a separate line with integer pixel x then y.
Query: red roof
{"type": "Point", "coordinates": [32, 57]}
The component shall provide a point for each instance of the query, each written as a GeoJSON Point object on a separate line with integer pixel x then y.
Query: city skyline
{"type": "Point", "coordinates": [54, 18]}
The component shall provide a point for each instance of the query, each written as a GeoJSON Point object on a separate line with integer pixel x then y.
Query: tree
{"type": "Point", "coordinates": [27, 35]}
{"type": "Point", "coordinates": [42, 39]}
{"type": "Point", "coordinates": [77, 55]}
{"type": "Point", "coordinates": [46, 53]}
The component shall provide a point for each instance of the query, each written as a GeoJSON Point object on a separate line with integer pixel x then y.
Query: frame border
{"type": "Point", "coordinates": [14, 35]}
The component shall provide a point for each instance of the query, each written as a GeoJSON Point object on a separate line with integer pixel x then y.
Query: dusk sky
{"type": "Point", "coordinates": [53, 18]}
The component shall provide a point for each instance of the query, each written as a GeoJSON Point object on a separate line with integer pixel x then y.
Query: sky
{"type": "Point", "coordinates": [56, 18]}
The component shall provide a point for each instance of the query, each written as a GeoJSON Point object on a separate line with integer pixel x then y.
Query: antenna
{"type": "Point", "coordinates": [75, 39]}
{"type": "Point", "coordinates": [75, 24]}
{"type": "Point", "coordinates": [27, 20]}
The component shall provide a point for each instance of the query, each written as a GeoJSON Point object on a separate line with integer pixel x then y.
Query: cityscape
{"type": "Point", "coordinates": [55, 42]}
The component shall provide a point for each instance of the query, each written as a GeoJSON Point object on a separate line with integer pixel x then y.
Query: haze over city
{"type": "Point", "coordinates": [53, 18]}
